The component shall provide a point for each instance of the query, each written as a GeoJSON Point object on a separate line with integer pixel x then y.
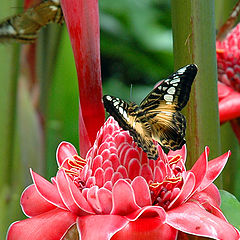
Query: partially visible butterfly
{"type": "Point", "coordinates": [158, 116]}
{"type": "Point", "coordinates": [24, 27]}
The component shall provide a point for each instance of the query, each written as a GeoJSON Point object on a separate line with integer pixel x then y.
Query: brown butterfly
{"type": "Point", "coordinates": [24, 27]}
{"type": "Point", "coordinates": [158, 116]}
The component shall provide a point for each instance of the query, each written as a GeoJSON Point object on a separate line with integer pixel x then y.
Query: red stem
{"type": "Point", "coordinates": [82, 19]}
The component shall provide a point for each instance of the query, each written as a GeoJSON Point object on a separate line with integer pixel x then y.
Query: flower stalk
{"type": "Point", "coordinates": [194, 42]}
{"type": "Point", "coordinates": [82, 19]}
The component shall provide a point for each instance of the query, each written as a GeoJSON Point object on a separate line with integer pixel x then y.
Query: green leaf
{"type": "Point", "coordinates": [230, 206]}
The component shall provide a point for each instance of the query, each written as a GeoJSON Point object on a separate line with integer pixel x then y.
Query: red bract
{"type": "Point", "coordinates": [118, 193]}
{"type": "Point", "coordinates": [228, 60]}
{"type": "Point", "coordinates": [82, 19]}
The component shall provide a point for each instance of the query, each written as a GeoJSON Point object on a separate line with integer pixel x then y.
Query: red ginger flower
{"type": "Point", "coordinates": [118, 193]}
{"type": "Point", "coordinates": [228, 61]}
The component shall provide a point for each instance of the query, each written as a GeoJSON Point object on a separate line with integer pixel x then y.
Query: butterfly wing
{"type": "Point", "coordinates": [25, 26]}
{"type": "Point", "coordinates": [138, 127]}
{"type": "Point", "coordinates": [162, 106]}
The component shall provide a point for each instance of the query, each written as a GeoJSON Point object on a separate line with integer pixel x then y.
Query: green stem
{"type": "Point", "coordinates": [194, 42]}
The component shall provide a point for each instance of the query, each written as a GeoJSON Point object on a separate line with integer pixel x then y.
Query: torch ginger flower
{"type": "Point", "coordinates": [118, 193]}
{"type": "Point", "coordinates": [228, 61]}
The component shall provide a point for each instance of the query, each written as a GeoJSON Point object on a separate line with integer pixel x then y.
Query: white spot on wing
{"type": "Point", "coordinates": [181, 70]}
{"type": "Point", "coordinates": [115, 103]}
{"type": "Point", "coordinates": [164, 88]}
{"type": "Point", "coordinates": [175, 80]}
{"type": "Point", "coordinates": [7, 30]}
{"type": "Point", "coordinates": [121, 110]}
{"type": "Point", "coordinates": [171, 90]}
{"type": "Point", "coordinates": [54, 8]}
{"type": "Point", "coordinates": [109, 98]}
{"type": "Point", "coordinates": [168, 98]}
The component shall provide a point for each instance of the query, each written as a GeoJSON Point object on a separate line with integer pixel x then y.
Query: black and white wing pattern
{"type": "Point", "coordinates": [24, 27]}
{"type": "Point", "coordinates": [158, 116]}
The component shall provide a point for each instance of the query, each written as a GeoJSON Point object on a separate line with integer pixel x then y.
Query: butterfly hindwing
{"type": "Point", "coordinates": [138, 127]}
{"type": "Point", "coordinates": [158, 115]}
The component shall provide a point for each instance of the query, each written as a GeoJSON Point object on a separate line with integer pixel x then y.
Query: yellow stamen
{"type": "Point", "coordinates": [175, 159]}
{"type": "Point", "coordinates": [76, 164]}
{"type": "Point", "coordinates": [169, 180]}
{"type": "Point", "coordinates": [218, 50]}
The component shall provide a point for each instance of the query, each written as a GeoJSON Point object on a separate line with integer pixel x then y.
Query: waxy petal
{"type": "Point", "coordinates": [100, 227]}
{"type": "Point", "coordinates": [47, 190]}
{"type": "Point", "coordinates": [185, 192]}
{"type": "Point", "coordinates": [65, 150]}
{"type": "Point", "coordinates": [214, 168]}
{"type": "Point", "coordinates": [123, 198]}
{"type": "Point", "coordinates": [148, 212]}
{"type": "Point", "coordinates": [182, 152]}
{"type": "Point", "coordinates": [141, 192]}
{"type": "Point", "coordinates": [193, 219]}
{"type": "Point", "coordinates": [229, 103]}
{"type": "Point", "coordinates": [72, 197]}
{"type": "Point", "coordinates": [33, 203]}
{"type": "Point", "coordinates": [105, 199]}
{"type": "Point", "coordinates": [50, 225]}
{"type": "Point", "coordinates": [93, 200]}
{"type": "Point", "coordinates": [199, 169]}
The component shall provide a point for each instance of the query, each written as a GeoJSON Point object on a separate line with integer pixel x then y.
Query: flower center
{"type": "Point", "coordinates": [73, 167]}
{"type": "Point", "coordinates": [162, 193]}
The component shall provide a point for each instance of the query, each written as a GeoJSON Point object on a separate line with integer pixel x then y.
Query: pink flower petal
{"type": "Point", "coordinates": [65, 150]}
{"type": "Point", "coordinates": [47, 190]}
{"type": "Point", "coordinates": [193, 219]}
{"type": "Point", "coordinates": [199, 169]}
{"type": "Point", "coordinates": [214, 168]}
{"type": "Point", "coordinates": [72, 196]}
{"type": "Point", "coordinates": [105, 199]}
{"type": "Point", "coordinates": [93, 200]}
{"type": "Point", "coordinates": [96, 163]}
{"type": "Point", "coordinates": [146, 172]}
{"type": "Point", "coordinates": [229, 103]}
{"type": "Point", "coordinates": [141, 192]}
{"type": "Point", "coordinates": [147, 228]}
{"type": "Point", "coordinates": [186, 190]}
{"type": "Point", "coordinates": [50, 225]}
{"type": "Point", "coordinates": [148, 212]}
{"type": "Point", "coordinates": [33, 203]}
{"type": "Point", "coordinates": [134, 168]}
{"type": "Point", "coordinates": [123, 198]}
{"type": "Point", "coordinates": [182, 152]}
{"type": "Point", "coordinates": [100, 227]}
{"type": "Point", "coordinates": [99, 176]}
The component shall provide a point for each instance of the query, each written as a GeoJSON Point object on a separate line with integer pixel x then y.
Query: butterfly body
{"type": "Point", "coordinates": [157, 117]}
{"type": "Point", "coordinates": [24, 27]}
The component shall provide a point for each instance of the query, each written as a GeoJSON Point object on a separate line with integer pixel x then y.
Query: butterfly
{"type": "Point", "coordinates": [158, 116]}
{"type": "Point", "coordinates": [24, 27]}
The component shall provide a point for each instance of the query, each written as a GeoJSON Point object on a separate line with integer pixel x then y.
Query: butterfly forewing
{"type": "Point", "coordinates": [158, 115]}
{"type": "Point", "coordinates": [174, 90]}
{"type": "Point", "coordinates": [24, 27]}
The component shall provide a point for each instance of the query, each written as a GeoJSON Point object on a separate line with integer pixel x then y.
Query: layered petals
{"type": "Point", "coordinates": [118, 193]}
{"type": "Point", "coordinates": [51, 225]}
{"type": "Point", "coordinates": [33, 203]}
{"type": "Point", "coordinates": [192, 218]}
{"type": "Point", "coordinates": [101, 227]}
{"type": "Point", "coordinates": [229, 103]}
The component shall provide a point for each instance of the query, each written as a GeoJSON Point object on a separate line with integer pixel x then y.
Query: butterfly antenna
{"type": "Point", "coordinates": [131, 87]}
